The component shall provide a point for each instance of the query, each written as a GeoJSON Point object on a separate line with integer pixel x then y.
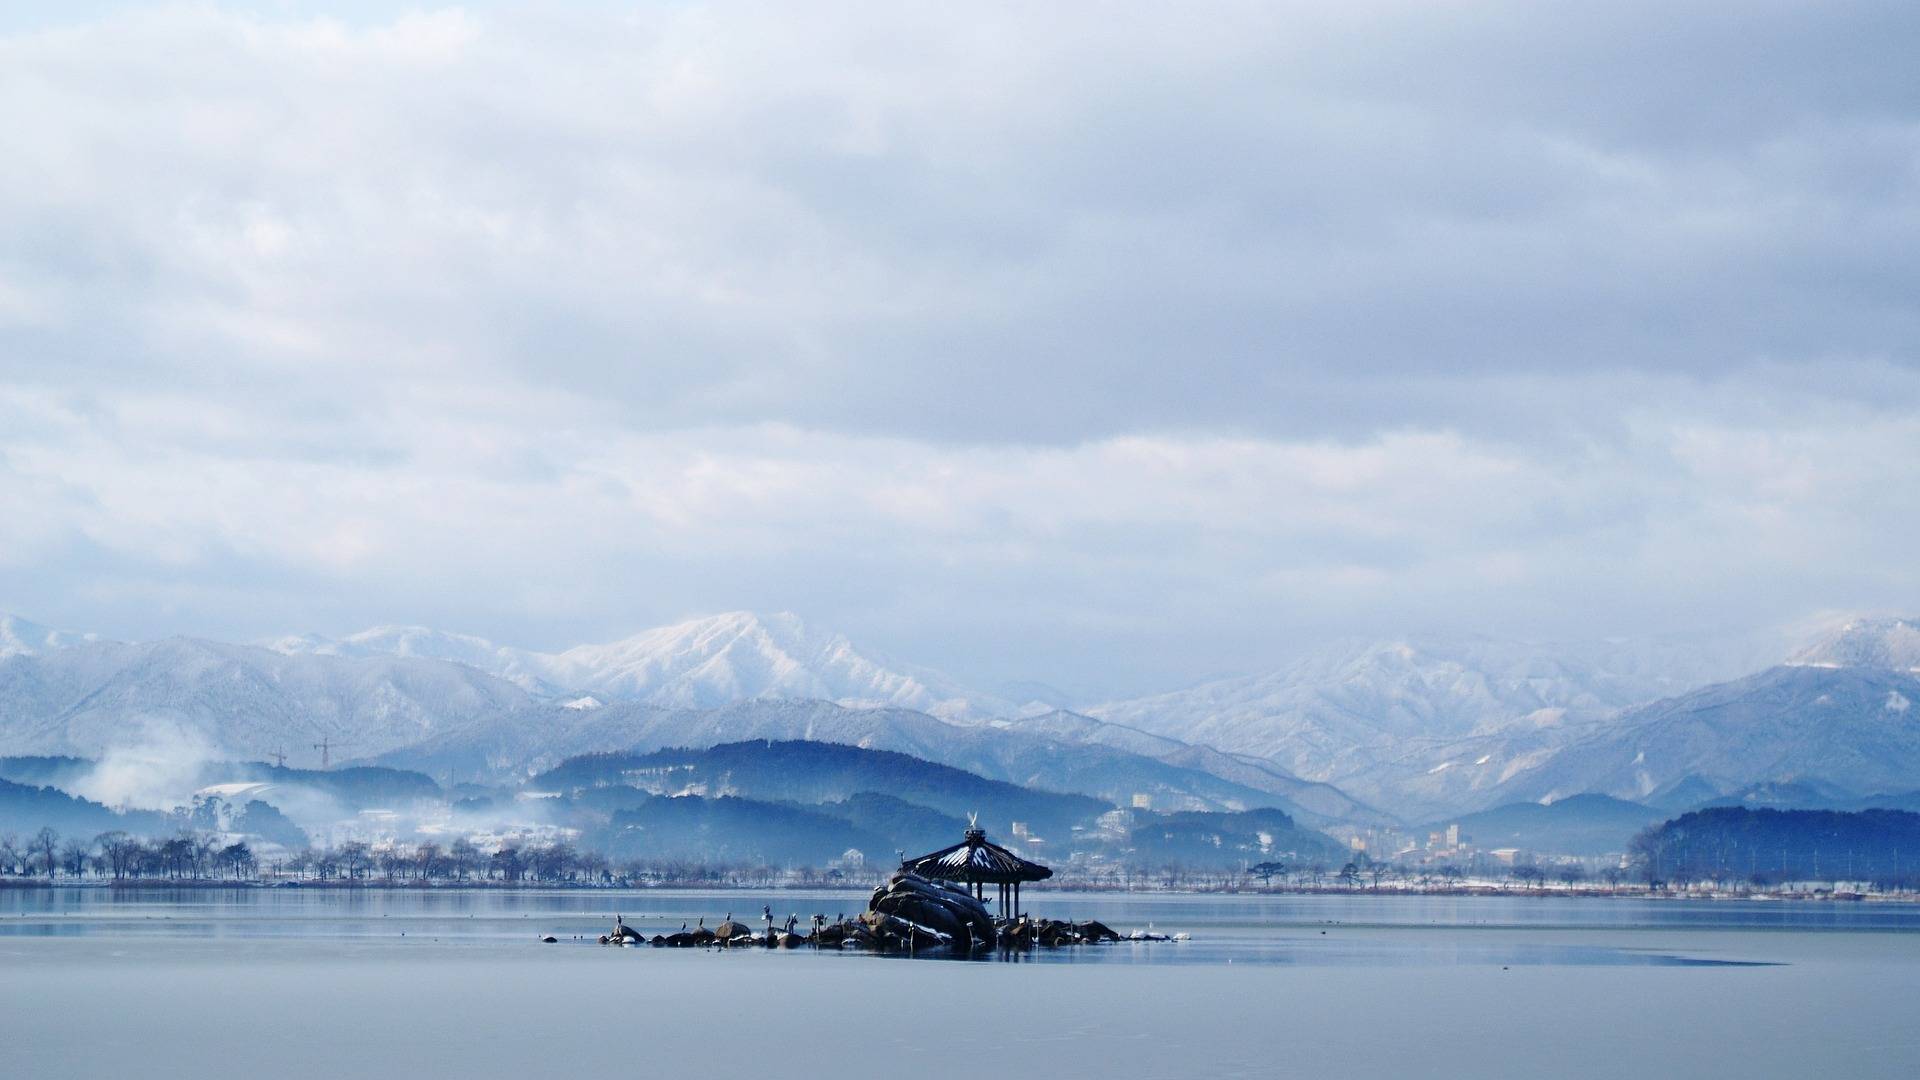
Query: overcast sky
{"type": "Point", "coordinates": [1111, 346]}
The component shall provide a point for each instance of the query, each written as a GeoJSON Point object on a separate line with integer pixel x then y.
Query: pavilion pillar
{"type": "Point", "coordinates": [1016, 899]}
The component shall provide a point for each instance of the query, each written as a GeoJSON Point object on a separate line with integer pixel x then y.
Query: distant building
{"type": "Point", "coordinates": [1142, 801]}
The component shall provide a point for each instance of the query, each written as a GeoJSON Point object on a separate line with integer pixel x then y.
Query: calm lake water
{"type": "Point", "coordinates": [329, 983]}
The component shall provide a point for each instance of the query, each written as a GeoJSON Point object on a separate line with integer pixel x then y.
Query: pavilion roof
{"type": "Point", "coordinates": [977, 859]}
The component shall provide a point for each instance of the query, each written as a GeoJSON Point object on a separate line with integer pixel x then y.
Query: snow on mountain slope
{"type": "Point", "coordinates": [1425, 727]}
{"type": "Point", "coordinates": [740, 656]}
{"type": "Point", "coordinates": [1839, 713]}
{"type": "Point", "coordinates": [208, 698]}
{"type": "Point", "coordinates": [1885, 643]}
{"type": "Point", "coordinates": [21, 637]}
{"type": "Point", "coordinates": [521, 667]}
{"type": "Point", "coordinates": [1340, 709]}
{"type": "Point", "coordinates": [1320, 799]}
{"type": "Point", "coordinates": [1852, 727]}
{"type": "Point", "coordinates": [703, 663]}
{"type": "Point", "coordinates": [407, 693]}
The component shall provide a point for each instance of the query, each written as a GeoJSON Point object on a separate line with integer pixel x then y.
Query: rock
{"type": "Point", "coordinates": [935, 907]}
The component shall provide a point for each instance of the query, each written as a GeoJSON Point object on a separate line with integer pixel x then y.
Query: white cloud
{"type": "Point", "coordinates": [1020, 337]}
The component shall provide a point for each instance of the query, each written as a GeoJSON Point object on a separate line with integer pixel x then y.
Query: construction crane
{"type": "Point", "coordinates": [326, 745]}
{"type": "Point", "coordinates": [279, 758]}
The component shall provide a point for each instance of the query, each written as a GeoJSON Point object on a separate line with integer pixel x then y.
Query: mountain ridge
{"type": "Point", "coordinates": [699, 663]}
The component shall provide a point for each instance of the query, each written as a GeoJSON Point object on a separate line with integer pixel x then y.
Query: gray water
{"type": "Point", "coordinates": [303, 982]}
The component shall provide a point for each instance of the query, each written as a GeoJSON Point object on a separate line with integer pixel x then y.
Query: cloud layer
{"type": "Point", "coordinates": [1027, 343]}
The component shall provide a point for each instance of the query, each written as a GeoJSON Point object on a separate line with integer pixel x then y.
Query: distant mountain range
{"type": "Point", "coordinates": [1355, 733]}
{"type": "Point", "coordinates": [700, 664]}
{"type": "Point", "coordinates": [215, 699]}
{"type": "Point", "coordinates": [1390, 721]}
{"type": "Point", "coordinates": [1850, 728]}
{"type": "Point", "coordinates": [419, 706]}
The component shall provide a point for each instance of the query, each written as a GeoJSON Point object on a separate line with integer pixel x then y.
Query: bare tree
{"type": "Point", "coordinates": [175, 856]}
{"type": "Point", "coordinates": [430, 863]}
{"type": "Point", "coordinates": [73, 858]}
{"type": "Point", "coordinates": [462, 856]}
{"type": "Point", "coordinates": [204, 849]}
{"type": "Point", "coordinates": [45, 848]}
{"type": "Point", "coordinates": [300, 862]}
{"type": "Point", "coordinates": [353, 857]}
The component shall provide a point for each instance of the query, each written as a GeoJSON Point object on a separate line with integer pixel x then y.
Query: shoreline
{"type": "Point", "coordinates": [1821, 895]}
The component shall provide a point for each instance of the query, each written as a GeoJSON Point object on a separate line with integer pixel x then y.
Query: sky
{"type": "Point", "coordinates": [1110, 346]}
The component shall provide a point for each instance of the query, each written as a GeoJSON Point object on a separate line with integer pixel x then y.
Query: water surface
{"type": "Point", "coordinates": [307, 982]}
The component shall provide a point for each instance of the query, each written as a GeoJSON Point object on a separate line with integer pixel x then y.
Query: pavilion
{"type": "Point", "coordinates": [975, 863]}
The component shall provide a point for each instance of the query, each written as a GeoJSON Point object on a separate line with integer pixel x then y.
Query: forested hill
{"type": "Point", "coordinates": [1879, 847]}
{"type": "Point", "coordinates": [691, 828]}
{"type": "Point", "coordinates": [360, 785]}
{"type": "Point", "coordinates": [25, 808]}
{"type": "Point", "coordinates": [1241, 838]}
{"type": "Point", "coordinates": [57, 771]}
{"type": "Point", "coordinates": [817, 772]}
{"type": "Point", "coordinates": [1576, 825]}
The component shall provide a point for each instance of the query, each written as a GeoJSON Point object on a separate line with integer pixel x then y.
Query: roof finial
{"type": "Point", "coordinates": [973, 819]}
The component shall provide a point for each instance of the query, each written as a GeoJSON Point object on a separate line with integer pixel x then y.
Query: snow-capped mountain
{"type": "Point", "coordinates": [415, 696]}
{"type": "Point", "coordinates": [703, 663]}
{"type": "Point", "coordinates": [1342, 709]}
{"type": "Point", "coordinates": [1855, 728]}
{"type": "Point", "coordinates": [1420, 729]}
{"type": "Point", "coordinates": [1885, 643]}
{"type": "Point", "coordinates": [740, 656]}
{"type": "Point", "coordinates": [1840, 713]}
{"type": "Point", "coordinates": [521, 667]}
{"type": "Point", "coordinates": [210, 698]}
{"type": "Point", "coordinates": [20, 637]}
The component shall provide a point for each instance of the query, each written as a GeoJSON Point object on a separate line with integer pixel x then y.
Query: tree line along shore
{"type": "Point", "coordinates": [1718, 852]}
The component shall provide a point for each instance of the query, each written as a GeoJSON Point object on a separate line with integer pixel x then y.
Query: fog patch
{"type": "Point", "coordinates": [159, 769]}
